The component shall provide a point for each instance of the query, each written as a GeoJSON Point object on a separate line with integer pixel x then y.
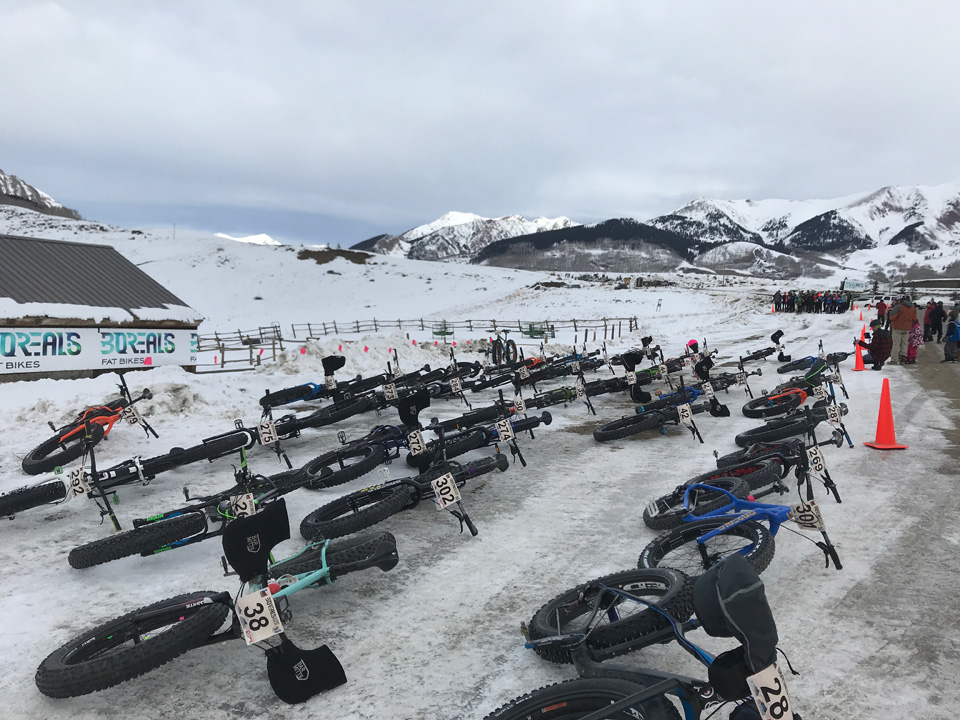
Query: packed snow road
{"type": "Point", "coordinates": [438, 636]}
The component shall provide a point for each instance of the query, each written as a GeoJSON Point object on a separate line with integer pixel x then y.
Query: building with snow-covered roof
{"type": "Point", "coordinates": [70, 309]}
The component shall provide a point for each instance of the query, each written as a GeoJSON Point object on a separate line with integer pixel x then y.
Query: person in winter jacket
{"type": "Point", "coordinates": [878, 349]}
{"type": "Point", "coordinates": [937, 316]}
{"type": "Point", "coordinates": [951, 338]}
{"type": "Point", "coordinates": [882, 311]}
{"type": "Point", "coordinates": [927, 337]}
{"type": "Point", "coordinates": [901, 318]}
{"type": "Point", "coordinates": [914, 343]}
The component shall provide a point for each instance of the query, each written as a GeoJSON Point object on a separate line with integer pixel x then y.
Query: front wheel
{"type": "Point", "coordinates": [151, 538]}
{"type": "Point", "coordinates": [626, 426]}
{"type": "Point", "coordinates": [772, 405]}
{"type": "Point", "coordinates": [575, 699]}
{"type": "Point", "coordinates": [776, 430]}
{"type": "Point", "coordinates": [356, 511]}
{"type": "Point", "coordinates": [667, 512]}
{"type": "Point", "coordinates": [679, 549]}
{"type": "Point", "coordinates": [612, 621]}
{"type": "Point", "coordinates": [131, 645]}
{"type": "Point", "coordinates": [25, 498]}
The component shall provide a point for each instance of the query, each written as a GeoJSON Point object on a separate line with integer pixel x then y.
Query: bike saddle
{"type": "Point", "coordinates": [247, 541]}
{"type": "Point", "coordinates": [332, 363]}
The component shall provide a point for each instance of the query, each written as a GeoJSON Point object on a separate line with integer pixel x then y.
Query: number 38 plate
{"type": "Point", "coordinates": [258, 616]}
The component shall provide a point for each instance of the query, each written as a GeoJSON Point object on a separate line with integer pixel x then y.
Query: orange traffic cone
{"type": "Point", "coordinates": [861, 315]}
{"type": "Point", "coordinates": [863, 333]}
{"type": "Point", "coordinates": [886, 435]}
{"type": "Point", "coordinates": [858, 365]}
{"type": "Point", "coordinates": [773, 309]}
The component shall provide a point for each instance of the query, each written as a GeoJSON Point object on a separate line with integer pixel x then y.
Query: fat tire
{"type": "Point", "coordinates": [748, 534]}
{"type": "Point", "coordinates": [342, 555]}
{"type": "Point", "coordinates": [774, 430]}
{"type": "Point", "coordinates": [669, 508]}
{"type": "Point", "coordinates": [112, 664]}
{"type": "Point", "coordinates": [627, 426]}
{"type": "Point", "coordinates": [25, 498]}
{"type": "Point", "coordinates": [575, 699]}
{"type": "Point", "coordinates": [142, 540]}
{"type": "Point", "coordinates": [48, 455]}
{"type": "Point", "coordinates": [459, 445]}
{"type": "Point", "coordinates": [335, 413]}
{"type": "Point", "coordinates": [330, 469]}
{"type": "Point", "coordinates": [801, 364]}
{"type": "Point", "coordinates": [563, 614]}
{"type": "Point", "coordinates": [757, 473]}
{"type": "Point", "coordinates": [765, 406]}
{"type": "Point", "coordinates": [356, 511]}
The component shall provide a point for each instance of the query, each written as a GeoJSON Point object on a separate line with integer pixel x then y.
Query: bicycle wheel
{"type": "Point", "coordinates": [458, 445]}
{"type": "Point", "coordinates": [775, 430]}
{"type": "Point", "coordinates": [612, 621]}
{"type": "Point", "coordinates": [679, 549]}
{"type": "Point", "coordinates": [496, 351]}
{"type": "Point", "coordinates": [575, 699]}
{"type": "Point", "coordinates": [340, 466]}
{"type": "Point", "coordinates": [150, 538]}
{"type": "Point", "coordinates": [356, 511]}
{"type": "Point", "coordinates": [626, 426]}
{"type": "Point", "coordinates": [55, 452]}
{"type": "Point", "coordinates": [667, 511]}
{"type": "Point", "coordinates": [288, 395]}
{"type": "Point", "coordinates": [767, 406]}
{"type": "Point", "coordinates": [25, 498]}
{"type": "Point", "coordinates": [510, 351]}
{"type": "Point", "coordinates": [132, 645]}
{"type": "Point", "coordinates": [757, 473]}
{"type": "Point", "coordinates": [343, 555]}
{"type": "Point", "coordinates": [335, 413]}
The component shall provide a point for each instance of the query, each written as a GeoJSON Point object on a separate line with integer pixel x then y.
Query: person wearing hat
{"type": "Point", "coordinates": [878, 349]}
{"type": "Point", "coordinates": [902, 318]}
{"type": "Point", "coordinates": [952, 338]}
{"type": "Point", "coordinates": [937, 316]}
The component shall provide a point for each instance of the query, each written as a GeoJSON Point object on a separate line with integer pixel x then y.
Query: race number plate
{"type": "Point", "coordinates": [769, 690]}
{"type": "Point", "coordinates": [581, 391]}
{"type": "Point", "coordinates": [524, 372]}
{"type": "Point", "coordinates": [807, 516]}
{"type": "Point", "coordinates": [397, 372]}
{"type": "Point", "coordinates": [834, 414]}
{"type": "Point", "coordinates": [653, 509]}
{"type": "Point", "coordinates": [455, 385]}
{"type": "Point", "coordinates": [519, 405]}
{"type": "Point", "coordinates": [822, 355]}
{"type": "Point", "coordinates": [708, 391]}
{"type": "Point", "coordinates": [446, 490]}
{"type": "Point", "coordinates": [416, 442]}
{"type": "Point", "coordinates": [258, 616]}
{"type": "Point", "coordinates": [576, 367]}
{"type": "Point", "coordinates": [631, 378]}
{"type": "Point", "coordinates": [815, 460]}
{"type": "Point", "coordinates": [132, 415]}
{"type": "Point", "coordinates": [741, 378]}
{"type": "Point", "coordinates": [662, 369]}
{"type": "Point", "coordinates": [683, 362]}
{"type": "Point", "coordinates": [243, 505]}
{"type": "Point", "coordinates": [268, 432]}
{"type": "Point", "coordinates": [505, 430]}
{"type": "Point", "coordinates": [686, 414]}
{"type": "Point", "coordinates": [330, 382]}
{"type": "Point", "coordinates": [819, 393]}
{"type": "Point", "coordinates": [390, 392]}
{"type": "Point", "coordinates": [78, 482]}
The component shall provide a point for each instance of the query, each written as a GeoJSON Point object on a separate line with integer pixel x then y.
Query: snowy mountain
{"type": "Point", "coordinates": [458, 235]}
{"type": "Point", "coordinates": [14, 191]}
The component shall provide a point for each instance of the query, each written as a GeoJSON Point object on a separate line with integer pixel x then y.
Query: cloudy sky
{"type": "Point", "coordinates": [334, 121]}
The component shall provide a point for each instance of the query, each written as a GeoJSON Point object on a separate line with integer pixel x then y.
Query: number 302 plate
{"type": "Point", "coordinates": [447, 492]}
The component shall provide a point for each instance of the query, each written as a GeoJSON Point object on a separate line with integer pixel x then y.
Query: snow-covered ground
{"type": "Point", "coordinates": [438, 637]}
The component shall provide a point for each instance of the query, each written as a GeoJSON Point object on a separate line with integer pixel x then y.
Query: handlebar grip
{"type": "Point", "coordinates": [468, 522]}
{"type": "Point", "coordinates": [146, 394]}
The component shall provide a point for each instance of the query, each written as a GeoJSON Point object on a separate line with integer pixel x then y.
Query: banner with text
{"type": "Point", "coordinates": [28, 350]}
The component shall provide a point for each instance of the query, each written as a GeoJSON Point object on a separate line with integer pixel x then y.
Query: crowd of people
{"type": "Point", "coordinates": [811, 301]}
{"type": "Point", "coordinates": [900, 330]}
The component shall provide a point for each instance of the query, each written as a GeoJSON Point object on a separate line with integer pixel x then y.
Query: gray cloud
{"type": "Point", "coordinates": [390, 114]}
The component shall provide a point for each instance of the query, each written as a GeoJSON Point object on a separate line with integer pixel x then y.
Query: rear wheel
{"type": "Point", "coordinates": [770, 406]}
{"type": "Point", "coordinates": [575, 699]}
{"type": "Point", "coordinates": [679, 549]}
{"type": "Point", "coordinates": [151, 538]}
{"type": "Point", "coordinates": [340, 466]}
{"type": "Point", "coordinates": [667, 512]}
{"type": "Point", "coordinates": [775, 430]}
{"type": "Point", "coordinates": [611, 620]}
{"type": "Point", "coordinates": [131, 645]}
{"type": "Point", "coordinates": [57, 451]}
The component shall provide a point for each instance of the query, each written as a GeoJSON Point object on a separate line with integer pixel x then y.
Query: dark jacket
{"type": "Point", "coordinates": [937, 316]}
{"type": "Point", "coordinates": [880, 345]}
